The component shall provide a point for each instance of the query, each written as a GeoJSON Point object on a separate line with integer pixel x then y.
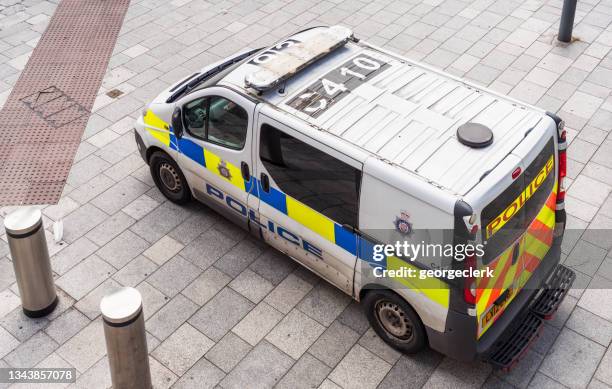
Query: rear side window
{"type": "Point", "coordinates": [509, 215]}
{"type": "Point", "coordinates": [311, 176]}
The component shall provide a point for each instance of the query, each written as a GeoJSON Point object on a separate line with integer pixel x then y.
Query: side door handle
{"type": "Point", "coordinates": [265, 182]}
{"type": "Point", "coordinates": [244, 169]}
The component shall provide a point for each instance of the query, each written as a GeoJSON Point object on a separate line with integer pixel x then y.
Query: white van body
{"type": "Point", "coordinates": [394, 122]}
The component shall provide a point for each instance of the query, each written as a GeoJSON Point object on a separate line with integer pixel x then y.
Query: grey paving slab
{"type": "Point", "coordinates": [110, 228]}
{"type": "Point", "coordinates": [152, 299]}
{"type": "Point", "coordinates": [273, 266]}
{"type": "Point", "coordinates": [182, 349]}
{"type": "Point", "coordinates": [221, 314]}
{"type": "Point", "coordinates": [72, 255]}
{"type": "Point", "coordinates": [590, 326]}
{"type": "Point", "coordinates": [85, 348]}
{"type": "Point", "coordinates": [162, 250]}
{"type": "Point", "coordinates": [308, 372]}
{"type": "Point", "coordinates": [257, 323]}
{"type": "Point", "coordinates": [66, 325]}
{"type": "Point", "coordinates": [32, 351]}
{"type": "Point", "coordinates": [295, 334]}
{"type": "Point", "coordinates": [7, 274]}
{"type": "Point", "coordinates": [97, 375]}
{"type": "Point", "coordinates": [79, 222]}
{"type": "Point", "coordinates": [288, 293]}
{"type": "Point", "coordinates": [170, 317]}
{"type": "Point", "coordinates": [251, 285]}
{"type": "Point", "coordinates": [161, 376]}
{"type": "Point", "coordinates": [458, 374]}
{"type": "Point", "coordinates": [174, 276]}
{"type": "Point", "coordinates": [7, 342]}
{"type": "Point", "coordinates": [377, 346]}
{"type": "Point", "coordinates": [333, 344]}
{"type": "Point", "coordinates": [263, 367]}
{"type": "Point", "coordinates": [324, 303]}
{"type": "Point", "coordinates": [21, 326]}
{"type": "Point", "coordinates": [573, 359]}
{"type": "Point", "coordinates": [360, 369]}
{"type": "Point", "coordinates": [203, 288]}
{"type": "Point", "coordinates": [412, 371]}
{"type": "Point", "coordinates": [239, 257]}
{"type": "Point", "coordinates": [90, 304]}
{"type": "Point", "coordinates": [160, 221]}
{"type": "Point", "coordinates": [85, 276]}
{"type": "Point", "coordinates": [604, 371]}
{"type": "Point", "coordinates": [119, 195]}
{"type": "Point", "coordinates": [523, 372]}
{"type": "Point", "coordinates": [227, 352]}
{"type": "Point", "coordinates": [203, 375]}
{"type": "Point", "coordinates": [8, 302]}
{"type": "Point", "coordinates": [208, 248]}
{"type": "Point", "coordinates": [122, 249]}
{"type": "Point", "coordinates": [134, 272]}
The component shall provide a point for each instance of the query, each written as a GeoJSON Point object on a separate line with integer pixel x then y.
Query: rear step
{"type": "Point", "coordinates": [508, 352]}
{"type": "Point", "coordinates": [554, 292]}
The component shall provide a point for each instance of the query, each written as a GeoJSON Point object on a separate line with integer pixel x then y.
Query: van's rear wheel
{"type": "Point", "coordinates": [169, 178]}
{"type": "Point", "coordinates": [395, 321]}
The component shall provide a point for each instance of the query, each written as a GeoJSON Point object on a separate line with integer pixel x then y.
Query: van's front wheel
{"type": "Point", "coordinates": [395, 321]}
{"type": "Point", "coordinates": [169, 178]}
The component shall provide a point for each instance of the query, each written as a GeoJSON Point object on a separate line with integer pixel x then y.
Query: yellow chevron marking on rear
{"type": "Point", "coordinates": [311, 219]}
{"type": "Point", "coordinates": [547, 217]}
{"type": "Point", "coordinates": [214, 164]}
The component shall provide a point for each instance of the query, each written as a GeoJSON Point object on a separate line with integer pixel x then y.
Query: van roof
{"type": "Point", "coordinates": [404, 113]}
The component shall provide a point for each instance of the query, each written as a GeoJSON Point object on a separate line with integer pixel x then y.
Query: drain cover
{"type": "Point", "coordinates": [475, 135]}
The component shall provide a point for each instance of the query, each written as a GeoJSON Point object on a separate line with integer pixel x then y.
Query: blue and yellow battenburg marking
{"type": "Point", "coordinates": [333, 232]}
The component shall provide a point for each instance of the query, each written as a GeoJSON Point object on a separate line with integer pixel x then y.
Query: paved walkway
{"type": "Point", "coordinates": [253, 318]}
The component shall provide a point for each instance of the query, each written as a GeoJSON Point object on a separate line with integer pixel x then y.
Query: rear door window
{"type": "Point", "coordinates": [507, 217]}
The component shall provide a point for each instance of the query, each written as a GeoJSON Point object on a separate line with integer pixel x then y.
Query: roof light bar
{"type": "Point", "coordinates": [296, 57]}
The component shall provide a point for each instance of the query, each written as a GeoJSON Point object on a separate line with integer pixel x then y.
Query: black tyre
{"type": "Point", "coordinates": [395, 321]}
{"type": "Point", "coordinates": [169, 178]}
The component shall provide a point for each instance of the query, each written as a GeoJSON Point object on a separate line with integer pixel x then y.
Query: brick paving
{"type": "Point", "coordinates": [239, 314]}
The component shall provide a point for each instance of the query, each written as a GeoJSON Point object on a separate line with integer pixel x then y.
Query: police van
{"type": "Point", "coordinates": [327, 147]}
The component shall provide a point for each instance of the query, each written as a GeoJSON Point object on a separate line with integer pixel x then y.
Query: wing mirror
{"type": "Point", "coordinates": [177, 123]}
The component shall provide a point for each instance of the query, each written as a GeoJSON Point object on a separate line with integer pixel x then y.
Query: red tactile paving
{"type": "Point", "coordinates": [46, 113]}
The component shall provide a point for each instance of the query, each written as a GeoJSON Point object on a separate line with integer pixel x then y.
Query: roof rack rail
{"type": "Point", "coordinates": [296, 57]}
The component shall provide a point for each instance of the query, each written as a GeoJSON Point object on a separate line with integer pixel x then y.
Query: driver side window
{"type": "Point", "coordinates": [217, 120]}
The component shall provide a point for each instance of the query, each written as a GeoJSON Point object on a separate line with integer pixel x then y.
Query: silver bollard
{"type": "Point", "coordinates": [126, 341]}
{"type": "Point", "coordinates": [26, 238]}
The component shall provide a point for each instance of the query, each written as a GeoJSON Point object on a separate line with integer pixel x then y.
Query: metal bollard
{"type": "Point", "coordinates": [26, 238]}
{"type": "Point", "coordinates": [566, 25]}
{"type": "Point", "coordinates": [126, 341]}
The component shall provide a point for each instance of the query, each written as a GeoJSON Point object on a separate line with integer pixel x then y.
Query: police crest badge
{"type": "Point", "coordinates": [403, 224]}
{"type": "Point", "coordinates": [223, 170]}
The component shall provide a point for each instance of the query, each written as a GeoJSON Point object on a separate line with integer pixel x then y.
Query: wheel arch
{"type": "Point", "coordinates": [429, 312]}
{"type": "Point", "coordinates": [153, 149]}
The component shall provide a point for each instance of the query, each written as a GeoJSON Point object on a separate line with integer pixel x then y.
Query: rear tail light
{"type": "Point", "coordinates": [469, 288]}
{"type": "Point", "coordinates": [562, 174]}
{"type": "Point", "coordinates": [562, 133]}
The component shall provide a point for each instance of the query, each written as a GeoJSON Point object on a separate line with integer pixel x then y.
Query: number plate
{"type": "Point", "coordinates": [338, 83]}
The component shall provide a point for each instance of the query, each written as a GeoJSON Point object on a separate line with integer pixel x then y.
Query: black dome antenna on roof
{"type": "Point", "coordinates": [475, 135]}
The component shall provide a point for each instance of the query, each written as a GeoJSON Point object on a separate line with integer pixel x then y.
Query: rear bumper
{"type": "Point", "coordinates": [519, 324]}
